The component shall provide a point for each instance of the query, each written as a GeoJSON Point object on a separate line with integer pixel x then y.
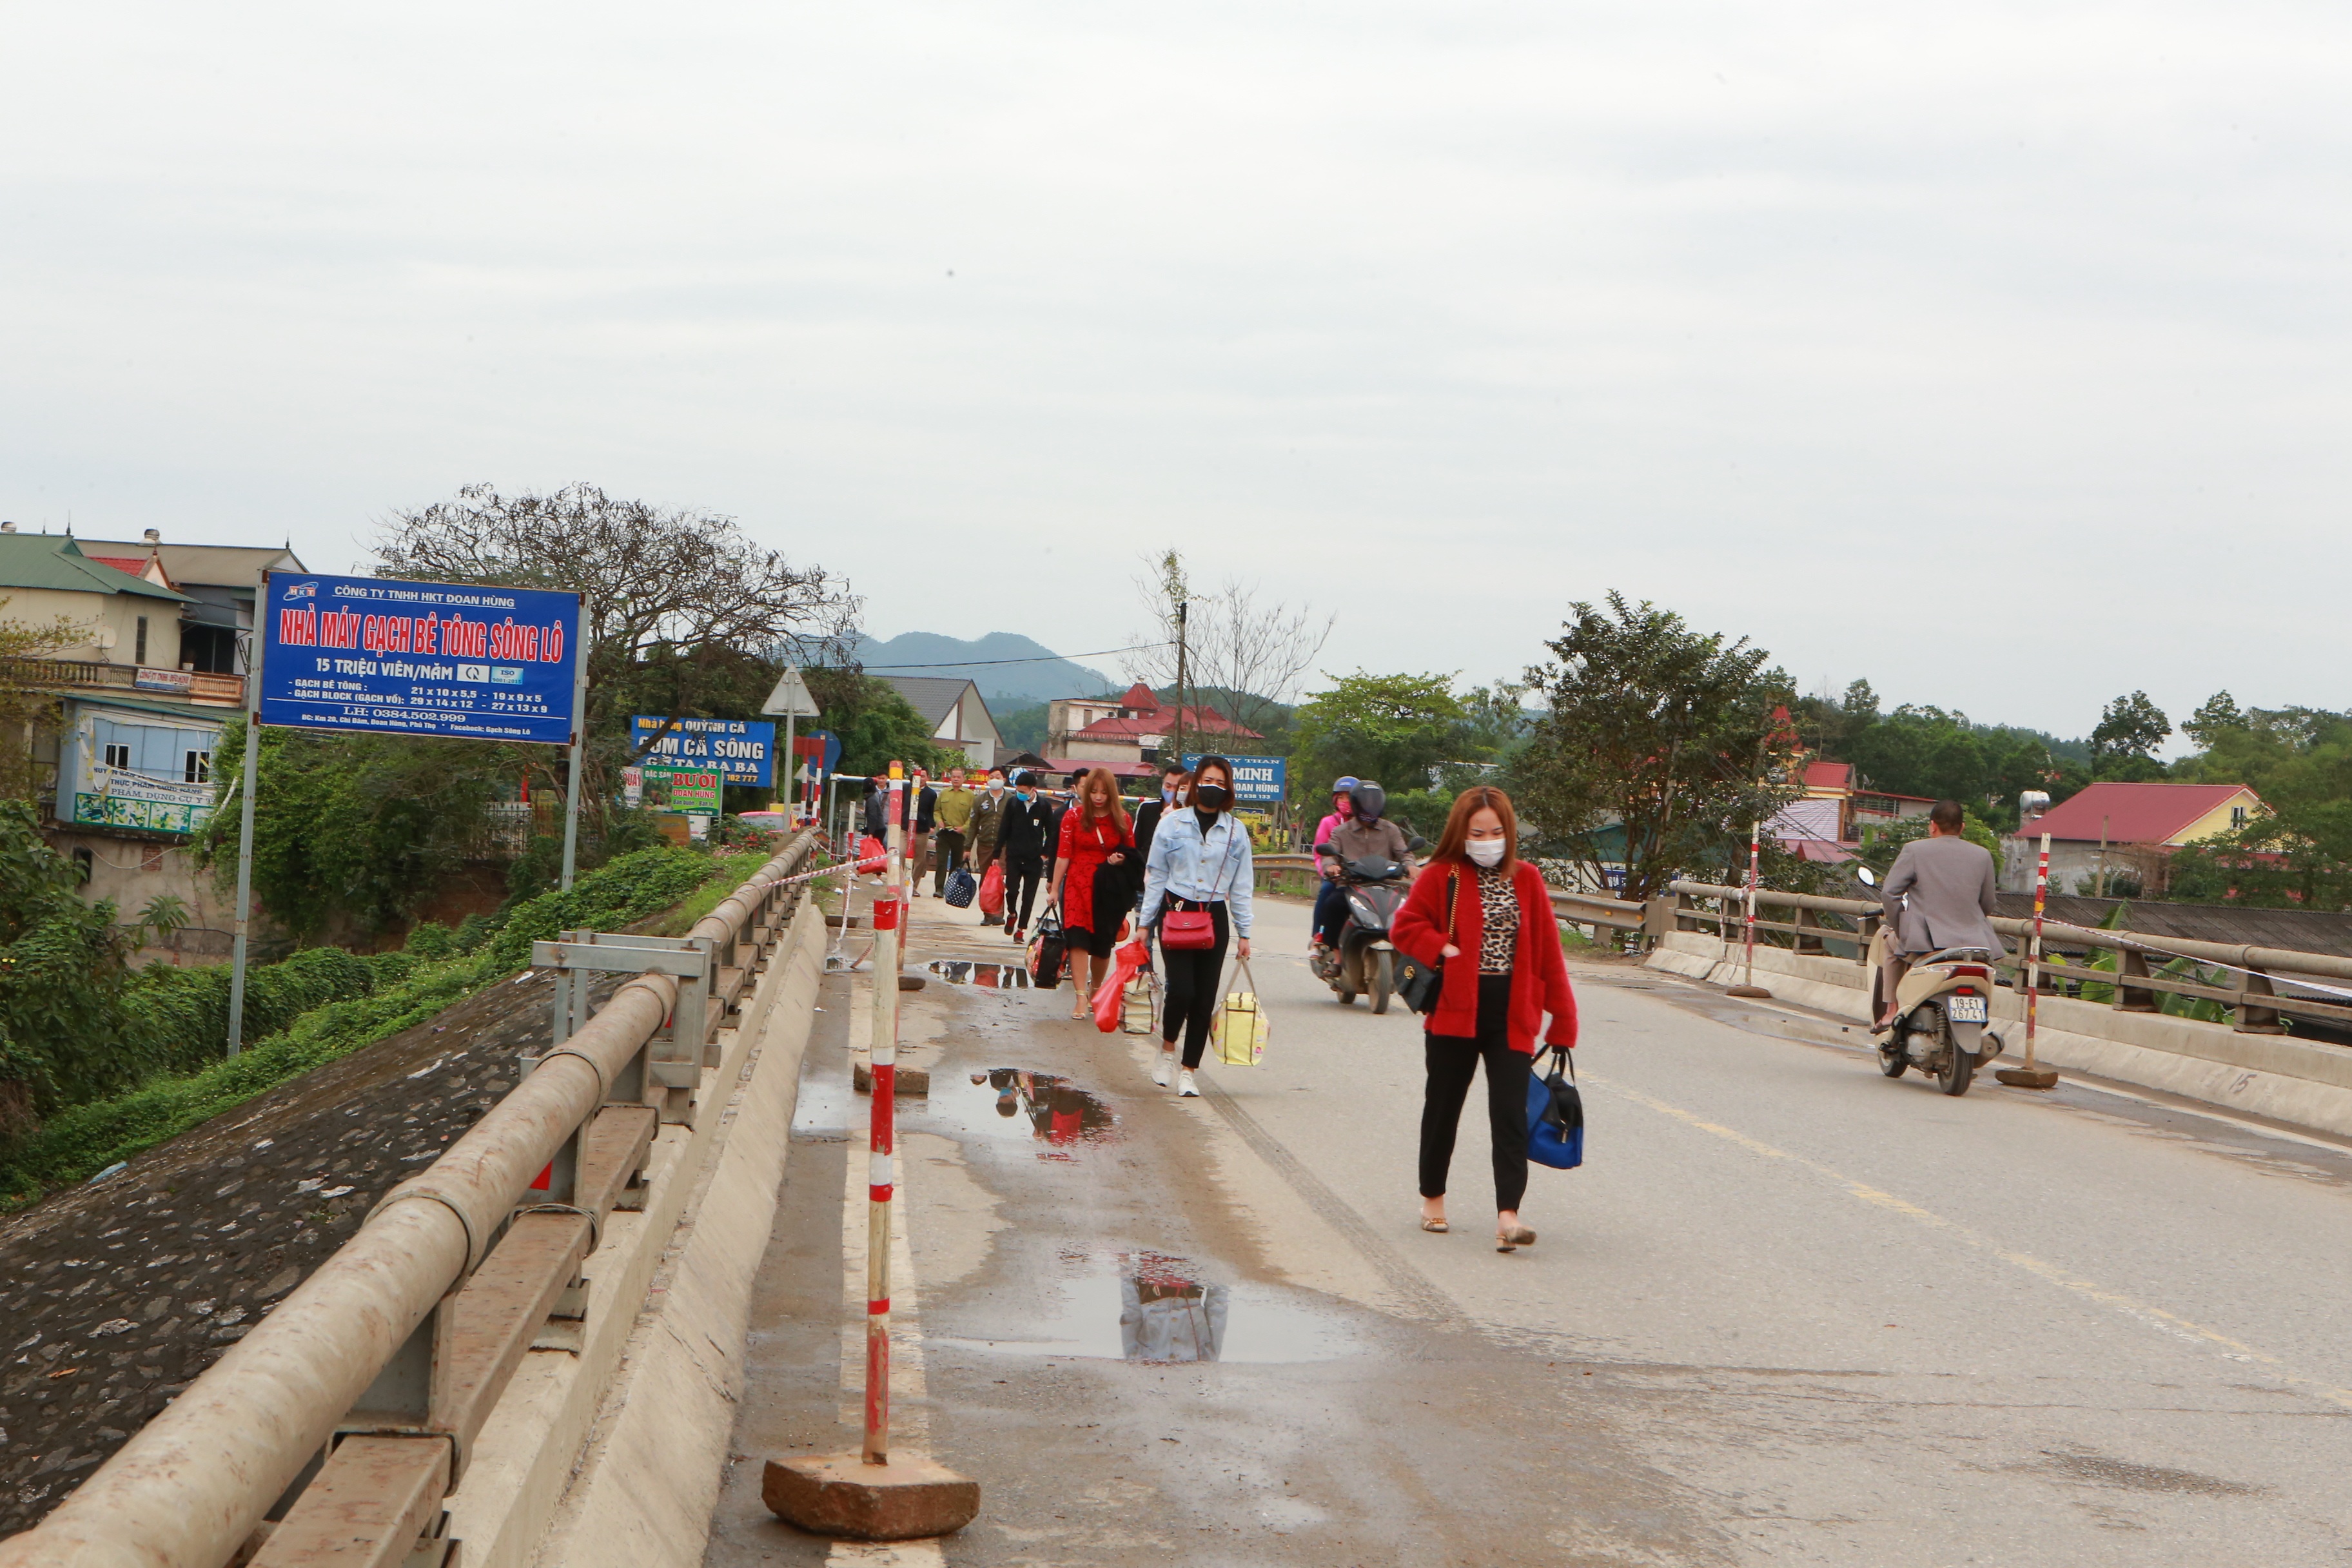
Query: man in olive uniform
{"type": "Point", "coordinates": [987, 818]}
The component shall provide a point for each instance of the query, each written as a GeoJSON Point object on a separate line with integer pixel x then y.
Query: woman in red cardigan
{"type": "Point", "coordinates": [1488, 915]}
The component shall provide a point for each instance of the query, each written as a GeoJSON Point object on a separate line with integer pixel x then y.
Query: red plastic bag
{"type": "Point", "coordinates": [991, 891]}
{"type": "Point", "coordinates": [1111, 997]}
{"type": "Point", "coordinates": [871, 855]}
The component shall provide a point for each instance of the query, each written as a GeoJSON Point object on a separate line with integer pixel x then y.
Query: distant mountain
{"type": "Point", "coordinates": [1043, 676]}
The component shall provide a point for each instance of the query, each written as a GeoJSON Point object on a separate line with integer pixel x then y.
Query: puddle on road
{"type": "Point", "coordinates": [1023, 1107]}
{"type": "Point", "coordinates": [1150, 1308]}
{"type": "Point", "coordinates": [987, 976]}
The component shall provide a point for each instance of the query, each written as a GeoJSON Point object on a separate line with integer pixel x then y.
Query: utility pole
{"type": "Point", "coordinates": [1182, 605]}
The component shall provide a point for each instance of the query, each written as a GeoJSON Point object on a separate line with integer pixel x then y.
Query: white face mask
{"type": "Point", "coordinates": [1485, 851]}
{"type": "Point", "coordinates": [996, 787]}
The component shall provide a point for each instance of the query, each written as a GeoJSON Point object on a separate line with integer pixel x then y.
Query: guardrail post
{"type": "Point", "coordinates": [2130, 963]}
{"type": "Point", "coordinates": [1809, 930]}
{"type": "Point", "coordinates": [1865, 931]}
{"type": "Point", "coordinates": [2252, 1017]}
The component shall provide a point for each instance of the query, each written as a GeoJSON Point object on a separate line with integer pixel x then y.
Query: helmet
{"type": "Point", "coordinates": [1370, 800]}
{"type": "Point", "coordinates": [1343, 784]}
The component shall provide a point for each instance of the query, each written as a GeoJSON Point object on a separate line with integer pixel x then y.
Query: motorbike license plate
{"type": "Point", "coordinates": [1965, 1009]}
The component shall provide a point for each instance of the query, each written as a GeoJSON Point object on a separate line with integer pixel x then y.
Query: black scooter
{"type": "Point", "coordinates": [1364, 960]}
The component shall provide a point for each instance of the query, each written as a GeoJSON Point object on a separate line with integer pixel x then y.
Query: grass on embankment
{"type": "Point", "coordinates": [75, 1144]}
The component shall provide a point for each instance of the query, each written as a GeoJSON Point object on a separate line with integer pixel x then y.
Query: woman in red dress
{"type": "Point", "coordinates": [1091, 880]}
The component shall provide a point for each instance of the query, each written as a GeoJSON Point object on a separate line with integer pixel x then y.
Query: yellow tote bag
{"type": "Point", "coordinates": [1241, 1026]}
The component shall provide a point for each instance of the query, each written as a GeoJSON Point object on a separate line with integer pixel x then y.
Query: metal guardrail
{"type": "Point", "coordinates": [1577, 908]}
{"type": "Point", "coordinates": [350, 1411]}
{"type": "Point", "coordinates": [2257, 1002]}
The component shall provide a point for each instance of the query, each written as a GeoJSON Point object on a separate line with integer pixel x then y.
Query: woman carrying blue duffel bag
{"type": "Point", "coordinates": [1481, 918]}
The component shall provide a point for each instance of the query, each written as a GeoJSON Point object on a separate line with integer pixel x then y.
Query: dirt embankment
{"type": "Point", "coordinates": [115, 1294]}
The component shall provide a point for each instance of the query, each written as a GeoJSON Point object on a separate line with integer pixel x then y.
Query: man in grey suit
{"type": "Point", "coordinates": [1937, 897]}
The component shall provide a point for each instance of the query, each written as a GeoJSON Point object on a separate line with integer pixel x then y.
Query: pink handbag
{"type": "Point", "coordinates": [1192, 929]}
{"type": "Point", "coordinates": [1187, 929]}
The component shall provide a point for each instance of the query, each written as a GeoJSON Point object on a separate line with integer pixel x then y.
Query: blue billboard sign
{"type": "Point", "coordinates": [744, 749]}
{"type": "Point", "coordinates": [1257, 781]}
{"type": "Point", "coordinates": [418, 659]}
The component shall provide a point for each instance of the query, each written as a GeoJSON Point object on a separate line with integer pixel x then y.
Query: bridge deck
{"type": "Point", "coordinates": [1789, 1310]}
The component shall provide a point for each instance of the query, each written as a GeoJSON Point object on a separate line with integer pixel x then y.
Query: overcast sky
{"type": "Point", "coordinates": [1999, 353]}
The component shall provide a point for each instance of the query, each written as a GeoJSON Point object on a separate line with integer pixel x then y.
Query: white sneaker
{"type": "Point", "coordinates": [1185, 1087]}
{"type": "Point", "coordinates": [1160, 1069]}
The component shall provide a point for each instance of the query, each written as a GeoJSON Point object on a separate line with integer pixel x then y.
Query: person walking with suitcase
{"type": "Point", "coordinates": [987, 819]}
{"type": "Point", "coordinates": [1482, 917]}
{"type": "Point", "coordinates": [1020, 839]}
{"type": "Point", "coordinates": [953, 814]}
{"type": "Point", "coordinates": [1197, 883]}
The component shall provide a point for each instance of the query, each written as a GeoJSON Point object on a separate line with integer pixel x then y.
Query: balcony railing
{"type": "Point", "coordinates": [80, 674]}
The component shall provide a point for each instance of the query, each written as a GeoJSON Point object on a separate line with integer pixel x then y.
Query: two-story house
{"type": "Point", "coordinates": [155, 665]}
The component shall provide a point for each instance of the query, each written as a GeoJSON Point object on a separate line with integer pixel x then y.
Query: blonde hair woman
{"type": "Point", "coordinates": [1093, 870]}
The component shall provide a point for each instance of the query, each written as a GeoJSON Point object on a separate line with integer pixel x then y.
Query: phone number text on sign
{"type": "Point", "coordinates": [424, 659]}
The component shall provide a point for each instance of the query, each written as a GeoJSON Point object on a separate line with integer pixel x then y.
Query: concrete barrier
{"type": "Point", "coordinates": [2276, 1075]}
{"type": "Point", "coordinates": [527, 1457]}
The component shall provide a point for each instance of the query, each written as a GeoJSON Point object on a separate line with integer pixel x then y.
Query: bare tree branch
{"type": "Point", "coordinates": [1252, 654]}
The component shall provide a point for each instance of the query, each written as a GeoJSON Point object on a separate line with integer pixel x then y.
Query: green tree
{"type": "Point", "coordinates": [2218, 716]}
{"type": "Point", "coordinates": [1666, 734]}
{"type": "Point", "coordinates": [1881, 844]}
{"type": "Point", "coordinates": [24, 708]}
{"type": "Point", "coordinates": [1391, 729]}
{"type": "Point", "coordinates": [63, 1034]}
{"type": "Point", "coordinates": [2298, 854]}
{"type": "Point", "coordinates": [2124, 745]}
{"type": "Point", "coordinates": [354, 833]}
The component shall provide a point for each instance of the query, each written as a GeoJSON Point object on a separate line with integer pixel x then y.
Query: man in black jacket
{"type": "Point", "coordinates": [1147, 815]}
{"type": "Point", "coordinates": [918, 814]}
{"type": "Point", "coordinates": [1024, 843]}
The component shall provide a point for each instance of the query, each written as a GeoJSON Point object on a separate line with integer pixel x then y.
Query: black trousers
{"type": "Point", "coordinates": [1192, 977]}
{"type": "Point", "coordinates": [947, 850]}
{"type": "Point", "coordinates": [1022, 874]}
{"type": "Point", "coordinates": [1452, 1060]}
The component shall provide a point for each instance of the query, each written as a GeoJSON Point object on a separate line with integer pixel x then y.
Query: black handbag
{"type": "Point", "coordinates": [1048, 953]}
{"type": "Point", "coordinates": [1421, 983]}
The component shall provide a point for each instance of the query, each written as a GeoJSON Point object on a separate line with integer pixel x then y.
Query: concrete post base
{"type": "Point", "coordinates": [1748, 990]}
{"type": "Point", "coordinates": [910, 1080]}
{"type": "Point", "coordinates": [2027, 1078]}
{"type": "Point", "coordinates": [841, 1495]}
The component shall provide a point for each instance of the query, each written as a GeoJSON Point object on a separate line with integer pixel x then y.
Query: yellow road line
{"type": "Point", "coordinates": [2153, 1317]}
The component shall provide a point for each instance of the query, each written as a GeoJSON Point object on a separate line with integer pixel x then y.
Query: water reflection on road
{"type": "Point", "coordinates": [1154, 1309]}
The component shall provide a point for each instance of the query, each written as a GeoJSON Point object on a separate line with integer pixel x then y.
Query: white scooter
{"type": "Point", "coordinates": [1942, 1007]}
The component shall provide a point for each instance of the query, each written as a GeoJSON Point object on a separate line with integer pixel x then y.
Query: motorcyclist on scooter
{"type": "Point", "coordinates": [1937, 897]}
{"type": "Point", "coordinates": [1332, 900]}
{"type": "Point", "coordinates": [1368, 831]}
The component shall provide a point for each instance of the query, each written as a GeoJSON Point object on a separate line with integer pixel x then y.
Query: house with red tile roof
{"type": "Point", "coordinates": [2125, 832]}
{"type": "Point", "coordinates": [1131, 728]}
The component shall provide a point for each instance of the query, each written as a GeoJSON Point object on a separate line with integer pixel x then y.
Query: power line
{"type": "Point", "coordinates": [1048, 658]}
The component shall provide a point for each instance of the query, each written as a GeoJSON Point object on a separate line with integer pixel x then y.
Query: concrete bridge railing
{"type": "Point", "coordinates": [336, 1428]}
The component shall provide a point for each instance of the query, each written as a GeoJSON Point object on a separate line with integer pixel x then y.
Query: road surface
{"type": "Point", "coordinates": [1789, 1311]}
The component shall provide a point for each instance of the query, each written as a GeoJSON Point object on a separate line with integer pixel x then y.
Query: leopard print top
{"type": "Point", "coordinates": [1498, 913]}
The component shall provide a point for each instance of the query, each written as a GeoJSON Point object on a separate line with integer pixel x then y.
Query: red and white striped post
{"type": "Point", "coordinates": [882, 1140]}
{"type": "Point", "coordinates": [869, 1495]}
{"type": "Point", "coordinates": [1747, 987]}
{"type": "Point", "coordinates": [2034, 1075]}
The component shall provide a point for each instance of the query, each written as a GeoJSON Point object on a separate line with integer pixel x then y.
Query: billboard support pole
{"type": "Point", "coordinates": [244, 816]}
{"type": "Point", "coordinates": [579, 739]}
{"type": "Point", "coordinates": [791, 767]}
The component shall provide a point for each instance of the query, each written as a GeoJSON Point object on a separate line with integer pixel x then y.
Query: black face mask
{"type": "Point", "coordinates": [1213, 796]}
